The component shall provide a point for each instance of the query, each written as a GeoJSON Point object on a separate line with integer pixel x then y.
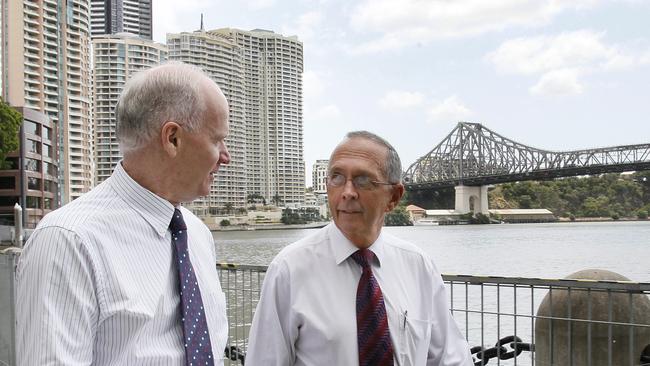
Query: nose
{"type": "Point", "coordinates": [349, 191]}
{"type": "Point", "coordinates": [224, 156]}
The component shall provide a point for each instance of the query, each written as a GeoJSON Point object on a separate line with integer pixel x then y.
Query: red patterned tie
{"type": "Point", "coordinates": [198, 350]}
{"type": "Point", "coordinates": [373, 336]}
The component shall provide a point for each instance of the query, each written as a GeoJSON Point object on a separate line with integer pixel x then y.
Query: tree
{"type": "Point", "coordinates": [224, 222]}
{"type": "Point", "coordinates": [228, 207]}
{"type": "Point", "coordinates": [397, 217]}
{"type": "Point", "coordinates": [10, 121]}
{"type": "Point", "coordinates": [277, 200]}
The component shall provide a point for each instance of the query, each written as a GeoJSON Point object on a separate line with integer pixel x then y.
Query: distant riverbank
{"type": "Point", "coordinates": [311, 225]}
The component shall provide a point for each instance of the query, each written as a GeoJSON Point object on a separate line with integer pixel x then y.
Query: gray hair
{"type": "Point", "coordinates": [168, 92]}
{"type": "Point", "coordinates": [393, 166]}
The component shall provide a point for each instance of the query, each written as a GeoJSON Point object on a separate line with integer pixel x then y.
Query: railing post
{"type": "Point", "coordinates": [18, 226]}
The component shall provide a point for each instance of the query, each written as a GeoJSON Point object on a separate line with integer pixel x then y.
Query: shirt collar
{"type": "Point", "coordinates": [343, 247]}
{"type": "Point", "coordinates": [156, 210]}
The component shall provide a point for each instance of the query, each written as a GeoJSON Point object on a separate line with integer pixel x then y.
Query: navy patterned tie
{"type": "Point", "coordinates": [196, 338]}
{"type": "Point", "coordinates": [373, 335]}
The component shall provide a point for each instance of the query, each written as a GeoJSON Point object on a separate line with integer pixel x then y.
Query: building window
{"type": "Point", "coordinates": [47, 203]}
{"type": "Point", "coordinates": [33, 202]}
{"type": "Point", "coordinates": [32, 128]}
{"type": "Point", "coordinates": [33, 165]}
{"type": "Point", "coordinates": [33, 147]}
{"type": "Point", "coordinates": [7, 183]}
{"type": "Point", "coordinates": [47, 133]}
{"type": "Point", "coordinates": [11, 164]}
{"type": "Point", "coordinates": [47, 151]}
{"type": "Point", "coordinates": [33, 183]}
{"type": "Point", "coordinates": [49, 186]}
{"type": "Point", "coordinates": [8, 201]}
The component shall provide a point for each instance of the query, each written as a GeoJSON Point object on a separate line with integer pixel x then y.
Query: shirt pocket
{"type": "Point", "coordinates": [414, 341]}
{"type": "Point", "coordinates": [215, 312]}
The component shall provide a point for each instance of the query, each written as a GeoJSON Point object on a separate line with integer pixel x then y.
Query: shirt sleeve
{"type": "Point", "coordinates": [56, 302]}
{"type": "Point", "coordinates": [445, 332]}
{"type": "Point", "coordinates": [272, 336]}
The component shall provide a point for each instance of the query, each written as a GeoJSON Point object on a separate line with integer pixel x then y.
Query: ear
{"type": "Point", "coordinates": [170, 137]}
{"type": "Point", "coordinates": [396, 194]}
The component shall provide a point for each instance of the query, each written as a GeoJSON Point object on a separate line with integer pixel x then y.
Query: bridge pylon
{"type": "Point", "coordinates": [471, 199]}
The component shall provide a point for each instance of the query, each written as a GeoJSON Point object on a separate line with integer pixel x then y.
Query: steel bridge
{"type": "Point", "coordinates": [473, 155]}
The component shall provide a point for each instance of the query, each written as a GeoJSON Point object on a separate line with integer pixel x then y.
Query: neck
{"type": "Point", "coordinates": [147, 167]}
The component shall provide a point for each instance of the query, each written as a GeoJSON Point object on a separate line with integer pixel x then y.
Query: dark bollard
{"type": "Point", "coordinates": [561, 342]}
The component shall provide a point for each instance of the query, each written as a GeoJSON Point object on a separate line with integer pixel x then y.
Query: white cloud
{"type": "Point", "coordinates": [327, 113]}
{"type": "Point", "coordinates": [168, 13]}
{"type": "Point", "coordinates": [579, 49]}
{"type": "Point", "coordinates": [397, 99]}
{"type": "Point", "coordinates": [450, 109]}
{"type": "Point", "coordinates": [259, 4]}
{"type": "Point", "coordinates": [312, 84]}
{"type": "Point", "coordinates": [407, 22]}
{"type": "Point", "coordinates": [562, 59]}
{"type": "Point", "coordinates": [305, 26]}
{"type": "Point", "coordinates": [558, 82]}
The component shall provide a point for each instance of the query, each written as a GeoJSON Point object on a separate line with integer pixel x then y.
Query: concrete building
{"type": "Point", "coordinates": [260, 73]}
{"type": "Point", "coordinates": [319, 176]}
{"type": "Point", "coordinates": [118, 16]}
{"type": "Point", "coordinates": [46, 67]}
{"type": "Point", "coordinates": [34, 186]}
{"type": "Point", "coordinates": [116, 58]}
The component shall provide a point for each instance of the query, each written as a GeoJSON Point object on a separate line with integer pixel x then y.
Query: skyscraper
{"type": "Point", "coordinates": [319, 176]}
{"type": "Point", "coordinates": [117, 16]}
{"type": "Point", "coordinates": [261, 74]}
{"type": "Point", "coordinates": [116, 58]}
{"type": "Point", "coordinates": [46, 67]}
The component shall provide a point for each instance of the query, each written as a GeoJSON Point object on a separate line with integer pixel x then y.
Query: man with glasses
{"type": "Point", "coordinates": [351, 294]}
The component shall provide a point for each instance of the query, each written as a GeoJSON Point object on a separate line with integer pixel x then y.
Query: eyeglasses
{"type": "Point", "coordinates": [359, 182]}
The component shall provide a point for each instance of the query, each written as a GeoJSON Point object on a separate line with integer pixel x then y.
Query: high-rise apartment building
{"type": "Point", "coordinates": [260, 73]}
{"type": "Point", "coordinates": [118, 16]}
{"type": "Point", "coordinates": [319, 176]}
{"type": "Point", "coordinates": [116, 58]}
{"type": "Point", "coordinates": [46, 67]}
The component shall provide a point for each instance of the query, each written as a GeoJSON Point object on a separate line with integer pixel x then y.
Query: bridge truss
{"type": "Point", "coordinates": [474, 155]}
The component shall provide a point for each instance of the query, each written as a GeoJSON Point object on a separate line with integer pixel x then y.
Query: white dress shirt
{"type": "Point", "coordinates": [307, 310]}
{"type": "Point", "coordinates": [97, 282]}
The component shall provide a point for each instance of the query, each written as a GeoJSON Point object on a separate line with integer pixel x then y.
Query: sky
{"type": "Point", "coordinates": [551, 74]}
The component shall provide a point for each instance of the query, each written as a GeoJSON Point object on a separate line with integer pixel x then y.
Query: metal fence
{"type": "Point", "coordinates": [507, 321]}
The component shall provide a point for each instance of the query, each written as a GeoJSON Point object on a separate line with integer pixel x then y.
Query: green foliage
{"type": "Point", "coordinates": [605, 195]}
{"type": "Point", "coordinates": [292, 216]}
{"type": "Point", "coordinates": [398, 217]}
{"type": "Point", "coordinates": [642, 214]}
{"type": "Point", "coordinates": [10, 121]}
{"type": "Point", "coordinates": [224, 222]}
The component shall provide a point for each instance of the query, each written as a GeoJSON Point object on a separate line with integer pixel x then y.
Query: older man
{"type": "Point", "coordinates": [124, 275]}
{"type": "Point", "coordinates": [350, 294]}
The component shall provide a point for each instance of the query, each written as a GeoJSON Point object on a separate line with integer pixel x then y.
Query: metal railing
{"type": "Point", "coordinates": [508, 321]}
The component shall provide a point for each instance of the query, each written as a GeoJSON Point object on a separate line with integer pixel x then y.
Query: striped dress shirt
{"type": "Point", "coordinates": [97, 282]}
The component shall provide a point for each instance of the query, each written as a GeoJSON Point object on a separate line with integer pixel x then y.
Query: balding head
{"type": "Point", "coordinates": [173, 91]}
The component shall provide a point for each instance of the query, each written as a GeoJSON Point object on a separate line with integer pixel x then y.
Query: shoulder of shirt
{"type": "Point", "coordinates": [302, 247]}
{"type": "Point", "coordinates": [405, 247]}
{"type": "Point", "coordinates": [80, 214]}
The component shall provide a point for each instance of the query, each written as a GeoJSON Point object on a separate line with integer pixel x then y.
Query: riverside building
{"type": "Point", "coordinates": [45, 59]}
{"type": "Point", "coordinates": [118, 16]}
{"type": "Point", "coordinates": [260, 72]}
{"type": "Point", "coordinates": [116, 58]}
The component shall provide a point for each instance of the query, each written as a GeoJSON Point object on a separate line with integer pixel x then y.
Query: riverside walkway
{"type": "Point", "coordinates": [507, 320]}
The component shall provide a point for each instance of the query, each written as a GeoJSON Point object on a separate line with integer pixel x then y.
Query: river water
{"type": "Point", "coordinates": [552, 250]}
